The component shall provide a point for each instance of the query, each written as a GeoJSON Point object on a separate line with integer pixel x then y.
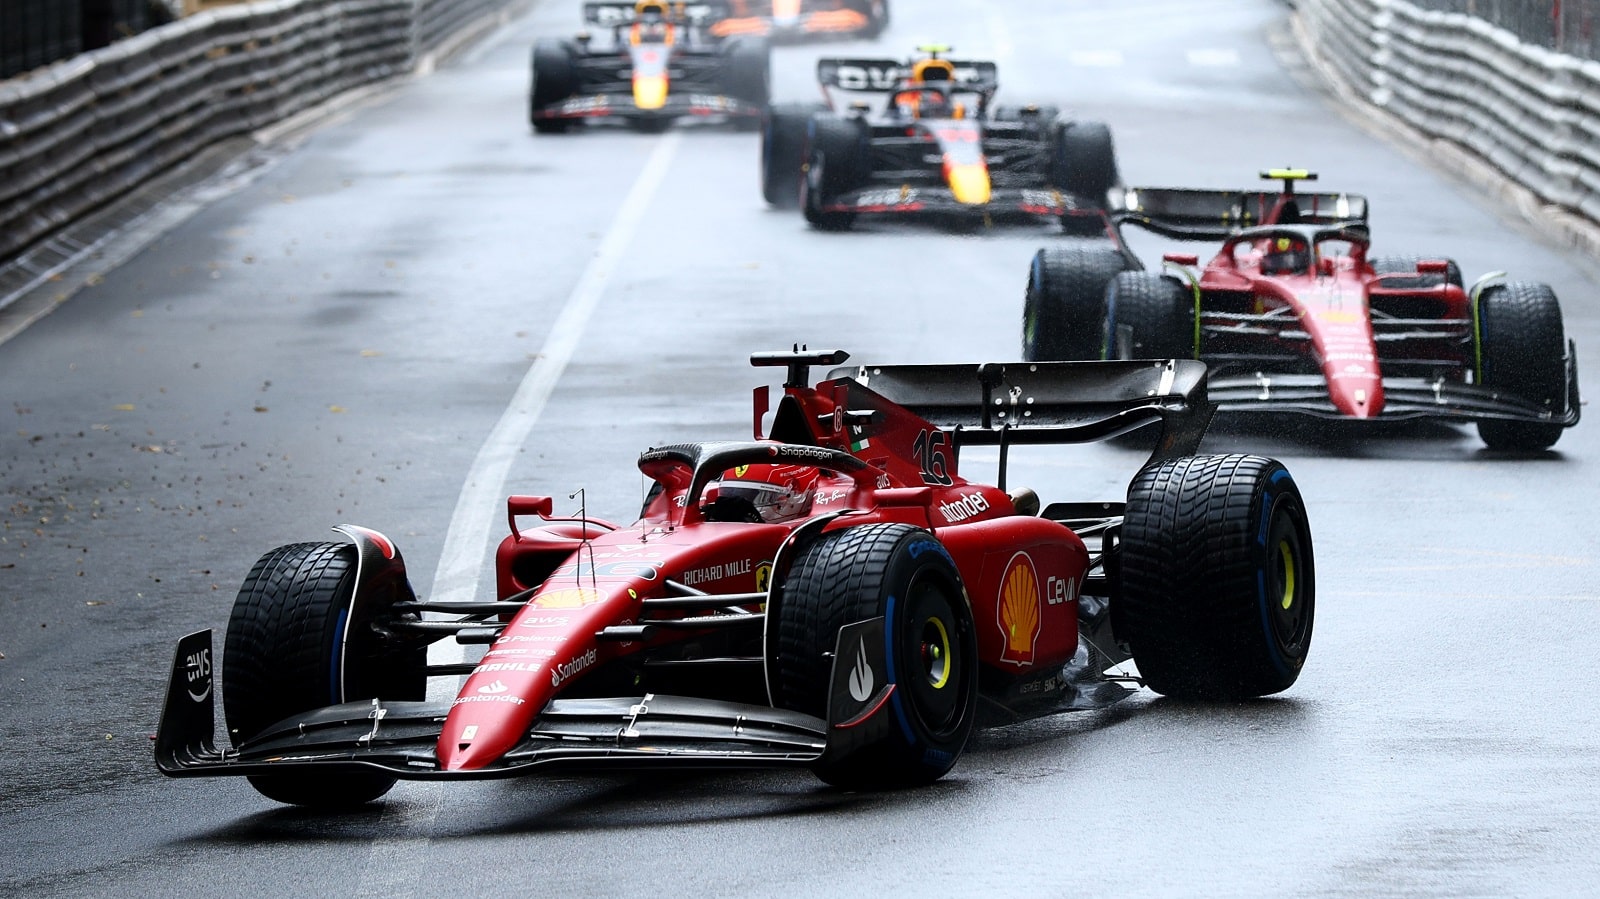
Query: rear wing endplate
{"type": "Point", "coordinates": [1036, 403]}
{"type": "Point", "coordinates": [1190, 214]}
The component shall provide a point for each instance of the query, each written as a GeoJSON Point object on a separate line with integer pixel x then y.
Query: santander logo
{"type": "Point", "coordinates": [963, 508]}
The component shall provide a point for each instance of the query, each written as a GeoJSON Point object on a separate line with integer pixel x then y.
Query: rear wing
{"type": "Point", "coordinates": [610, 14]}
{"type": "Point", "coordinates": [1190, 214]}
{"type": "Point", "coordinates": [885, 75]}
{"type": "Point", "coordinates": [1039, 403]}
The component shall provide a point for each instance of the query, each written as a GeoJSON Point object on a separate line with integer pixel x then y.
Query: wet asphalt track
{"type": "Point", "coordinates": [336, 340]}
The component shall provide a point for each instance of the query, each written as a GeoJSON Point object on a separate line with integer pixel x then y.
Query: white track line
{"type": "Point", "coordinates": [482, 501]}
{"type": "Point", "coordinates": [393, 862]}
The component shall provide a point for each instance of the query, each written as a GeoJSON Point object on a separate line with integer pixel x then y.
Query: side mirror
{"type": "Point", "coordinates": [1181, 258]}
{"type": "Point", "coordinates": [1433, 267]}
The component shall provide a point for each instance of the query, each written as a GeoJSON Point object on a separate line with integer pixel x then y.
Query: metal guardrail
{"type": "Point", "coordinates": [1533, 113]}
{"type": "Point", "coordinates": [1565, 26]}
{"type": "Point", "coordinates": [85, 131]}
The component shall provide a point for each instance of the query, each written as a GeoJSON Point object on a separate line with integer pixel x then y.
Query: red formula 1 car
{"type": "Point", "coordinates": [921, 140]}
{"type": "Point", "coordinates": [1293, 314]}
{"type": "Point", "coordinates": [800, 19]}
{"type": "Point", "coordinates": [834, 595]}
{"type": "Point", "coordinates": [658, 65]}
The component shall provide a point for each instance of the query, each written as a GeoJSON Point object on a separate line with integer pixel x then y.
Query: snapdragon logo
{"type": "Point", "coordinates": [566, 670]}
{"type": "Point", "coordinates": [964, 508]}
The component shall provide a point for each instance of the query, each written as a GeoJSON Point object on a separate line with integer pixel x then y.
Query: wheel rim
{"type": "Point", "coordinates": [1288, 586]}
{"type": "Point", "coordinates": [931, 645]}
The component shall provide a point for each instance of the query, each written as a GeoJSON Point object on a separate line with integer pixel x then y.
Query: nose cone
{"type": "Point", "coordinates": [969, 183]}
{"type": "Point", "coordinates": [650, 91]}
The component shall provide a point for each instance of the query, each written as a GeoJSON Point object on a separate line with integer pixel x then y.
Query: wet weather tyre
{"type": "Point", "coordinates": [747, 73]}
{"type": "Point", "coordinates": [1084, 162]}
{"type": "Point", "coordinates": [1522, 352]}
{"type": "Point", "coordinates": [836, 162]}
{"type": "Point", "coordinates": [555, 78]}
{"type": "Point", "coordinates": [282, 657]}
{"type": "Point", "coordinates": [1218, 584]}
{"type": "Point", "coordinates": [1390, 266]}
{"type": "Point", "coordinates": [1149, 316]}
{"type": "Point", "coordinates": [1064, 311]}
{"type": "Point", "coordinates": [905, 575]}
{"type": "Point", "coordinates": [783, 147]}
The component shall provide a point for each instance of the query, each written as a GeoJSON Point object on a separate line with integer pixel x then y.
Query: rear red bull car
{"type": "Point", "coordinates": [835, 595]}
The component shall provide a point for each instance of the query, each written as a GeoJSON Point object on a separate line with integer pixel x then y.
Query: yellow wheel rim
{"type": "Point", "coordinates": [938, 656]}
{"type": "Point", "coordinates": [1286, 558]}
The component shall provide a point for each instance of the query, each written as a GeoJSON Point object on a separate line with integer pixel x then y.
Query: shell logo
{"type": "Point", "coordinates": [567, 599]}
{"type": "Point", "coordinates": [1019, 611]}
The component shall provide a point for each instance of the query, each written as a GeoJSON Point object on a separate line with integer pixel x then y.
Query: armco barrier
{"type": "Point", "coordinates": [83, 132]}
{"type": "Point", "coordinates": [1532, 113]}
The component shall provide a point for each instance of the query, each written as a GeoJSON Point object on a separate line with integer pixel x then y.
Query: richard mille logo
{"type": "Point", "coordinates": [861, 675]}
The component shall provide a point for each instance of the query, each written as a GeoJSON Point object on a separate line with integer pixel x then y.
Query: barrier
{"type": "Point", "coordinates": [1532, 113]}
{"type": "Point", "coordinates": [81, 133]}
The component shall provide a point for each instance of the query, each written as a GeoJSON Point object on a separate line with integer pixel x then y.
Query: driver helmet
{"type": "Point", "coordinates": [1286, 255]}
{"type": "Point", "coordinates": [925, 103]}
{"type": "Point", "coordinates": [778, 493]}
{"type": "Point", "coordinates": [651, 19]}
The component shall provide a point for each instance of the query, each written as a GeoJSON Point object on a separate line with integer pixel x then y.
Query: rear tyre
{"type": "Point", "coordinates": [783, 147]}
{"type": "Point", "coordinates": [1084, 162]}
{"type": "Point", "coordinates": [1521, 351]}
{"type": "Point", "coordinates": [747, 74]}
{"type": "Point", "coordinates": [282, 657]}
{"type": "Point", "coordinates": [836, 161]}
{"type": "Point", "coordinates": [903, 574]}
{"type": "Point", "coordinates": [1218, 582]}
{"type": "Point", "coordinates": [1064, 313]}
{"type": "Point", "coordinates": [555, 78]}
{"type": "Point", "coordinates": [1150, 316]}
{"type": "Point", "coordinates": [1407, 265]}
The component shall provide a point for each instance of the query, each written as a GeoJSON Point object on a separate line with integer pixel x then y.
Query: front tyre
{"type": "Point", "coordinates": [904, 575]}
{"type": "Point", "coordinates": [555, 78]}
{"type": "Point", "coordinates": [285, 654]}
{"type": "Point", "coordinates": [1522, 352]}
{"type": "Point", "coordinates": [783, 148]}
{"type": "Point", "coordinates": [1218, 583]}
{"type": "Point", "coordinates": [836, 162]}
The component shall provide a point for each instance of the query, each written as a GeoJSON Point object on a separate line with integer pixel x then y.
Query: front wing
{"type": "Point", "coordinates": [620, 105]}
{"type": "Point", "coordinates": [1005, 204]}
{"type": "Point", "coordinates": [648, 731]}
{"type": "Point", "coordinates": [1403, 398]}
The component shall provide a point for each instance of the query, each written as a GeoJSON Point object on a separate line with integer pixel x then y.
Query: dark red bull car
{"type": "Point", "coordinates": [923, 140]}
{"type": "Point", "coordinates": [1295, 314]}
{"type": "Point", "coordinates": [836, 594]}
{"type": "Point", "coordinates": [657, 64]}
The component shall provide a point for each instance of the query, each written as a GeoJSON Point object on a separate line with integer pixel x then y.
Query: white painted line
{"type": "Point", "coordinates": [1221, 58]}
{"type": "Point", "coordinates": [462, 562]}
{"type": "Point", "coordinates": [393, 863]}
{"type": "Point", "coordinates": [1095, 59]}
